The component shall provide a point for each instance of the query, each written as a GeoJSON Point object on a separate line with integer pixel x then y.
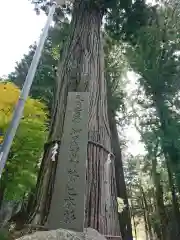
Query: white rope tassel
{"type": "Point", "coordinates": [54, 152]}
{"type": "Point", "coordinates": [109, 159]}
{"type": "Point", "coordinates": [107, 182]}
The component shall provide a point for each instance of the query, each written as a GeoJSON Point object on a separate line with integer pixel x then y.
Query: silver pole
{"type": "Point", "coordinates": [4, 151]}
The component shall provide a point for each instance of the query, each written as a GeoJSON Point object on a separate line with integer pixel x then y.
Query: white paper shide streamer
{"type": "Point", "coordinates": [54, 152]}
{"type": "Point", "coordinates": [107, 181]}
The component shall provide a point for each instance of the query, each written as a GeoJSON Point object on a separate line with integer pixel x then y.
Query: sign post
{"type": "Point", "coordinates": [68, 199]}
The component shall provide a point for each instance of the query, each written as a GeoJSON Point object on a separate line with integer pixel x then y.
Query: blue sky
{"type": "Point", "coordinates": [20, 27]}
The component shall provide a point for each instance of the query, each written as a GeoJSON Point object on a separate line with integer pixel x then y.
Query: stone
{"type": "Point", "coordinates": [68, 198]}
{"type": "Point", "coordinates": [8, 210]}
{"type": "Point", "coordinates": [63, 234]}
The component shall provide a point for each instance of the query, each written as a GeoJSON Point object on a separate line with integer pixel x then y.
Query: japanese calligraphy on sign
{"type": "Point", "coordinates": [67, 206]}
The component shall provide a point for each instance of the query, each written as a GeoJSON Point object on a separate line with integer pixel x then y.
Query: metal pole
{"type": "Point", "coordinates": [4, 151]}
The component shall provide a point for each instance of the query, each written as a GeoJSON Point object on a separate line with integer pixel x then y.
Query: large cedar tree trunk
{"type": "Point", "coordinates": [82, 69]}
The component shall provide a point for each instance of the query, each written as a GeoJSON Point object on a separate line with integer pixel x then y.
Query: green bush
{"type": "Point", "coordinates": [3, 235]}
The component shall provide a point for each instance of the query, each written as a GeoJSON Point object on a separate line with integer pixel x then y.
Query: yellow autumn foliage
{"type": "Point", "coordinates": [28, 143]}
{"type": "Point", "coordinates": [9, 95]}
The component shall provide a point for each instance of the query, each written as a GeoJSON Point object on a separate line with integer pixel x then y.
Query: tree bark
{"type": "Point", "coordinates": [124, 217]}
{"type": "Point", "coordinates": [82, 69]}
{"type": "Point", "coordinates": [3, 184]}
{"type": "Point", "coordinates": [175, 203]}
{"type": "Point", "coordinates": [168, 140]}
{"type": "Point", "coordinates": [145, 220]}
{"type": "Point", "coordinates": [170, 150]}
{"type": "Point", "coordinates": [160, 201]}
{"type": "Point", "coordinates": [133, 219]}
{"type": "Point", "coordinates": [2, 190]}
{"type": "Point", "coordinates": [146, 213]}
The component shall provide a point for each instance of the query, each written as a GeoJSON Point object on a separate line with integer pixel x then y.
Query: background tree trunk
{"type": "Point", "coordinates": [175, 203]}
{"type": "Point", "coordinates": [82, 69]}
{"type": "Point", "coordinates": [145, 220]}
{"type": "Point", "coordinates": [146, 213]}
{"type": "Point", "coordinates": [170, 150]}
{"type": "Point", "coordinates": [133, 219]}
{"type": "Point", "coordinates": [124, 217]}
{"type": "Point", "coordinates": [160, 201]}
